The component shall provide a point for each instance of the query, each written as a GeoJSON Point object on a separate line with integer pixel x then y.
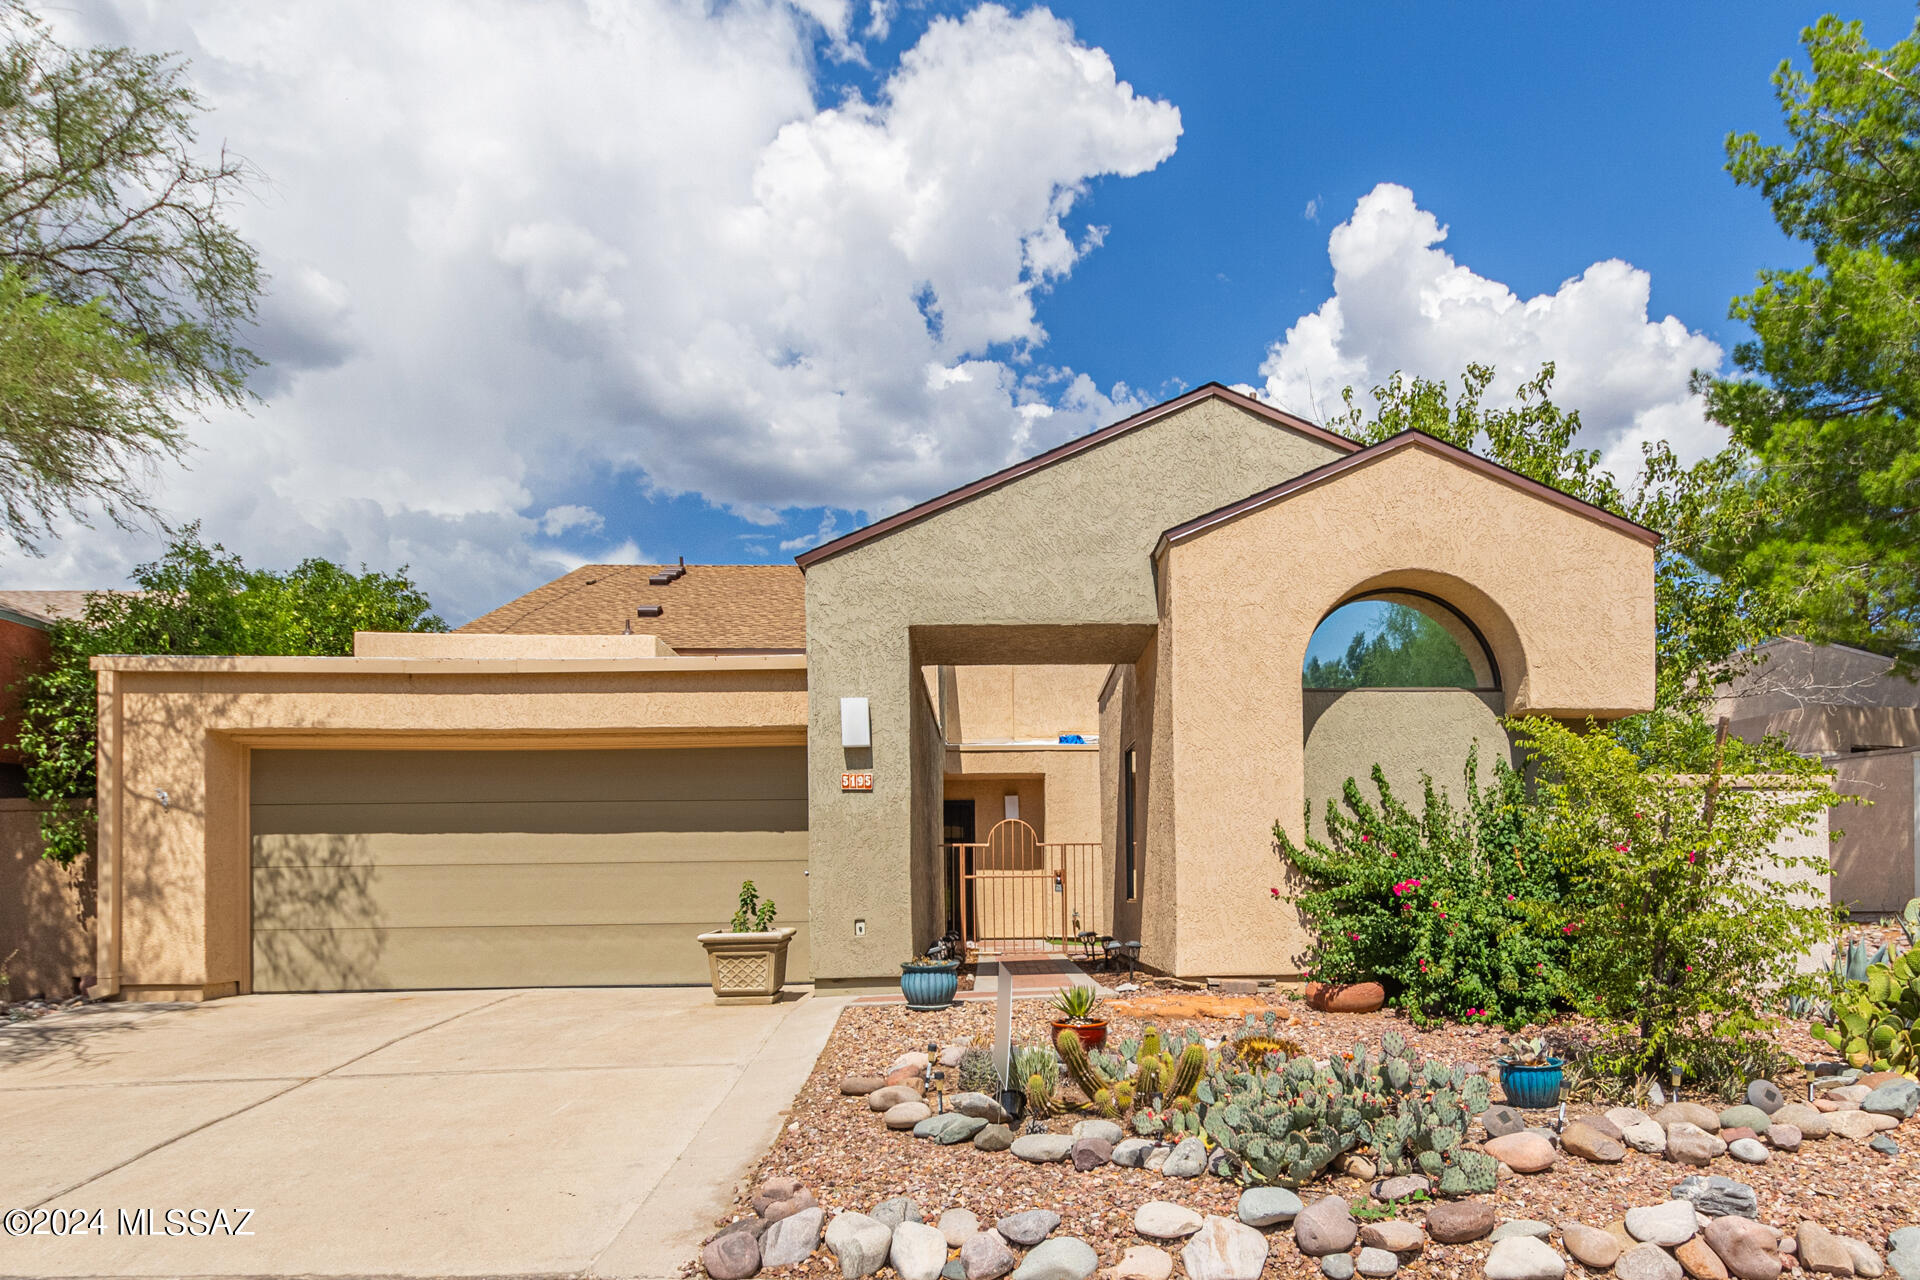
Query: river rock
{"type": "Point", "coordinates": [1766, 1095]}
{"type": "Point", "coordinates": [912, 1060]}
{"type": "Point", "coordinates": [1896, 1097]}
{"type": "Point", "coordinates": [1458, 1221]}
{"type": "Point", "coordinates": [801, 1199]}
{"type": "Point", "coordinates": [1747, 1151]}
{"type": "Point", "coordinates": [1585, 1140]}
{"type": "Point", "coordinates": [986, 1256]}
{"type": "Point", "coordinates": [1499, 1120]}
{"type": "Point", "coordinates": [1647, 1136]}
{"type": "Point", "coordinates": [793, 1238]}
{"type": "Point", "coordinates": [861, 1086]}
{"type": "Point", "coordinates": [1225, 1250]}
{"type": "Point", "coordinates": [1323, 1227]}
{"type": "Point", "coordinates": [1701, 1117]}
{"type": "Point", "coordinates": [907, 1114]}
{"type": "Point", "coordinates": [1029, 1228]}
{"type": "Point", "coordinates": [1858, 1125]}
{"type": "Point", "coordinates": [1688, 1143]}
{"type": "Point", "coordinates": [1592, 1248]}
{"type": "Point", "coordinates": [1388, 1190]}
{"type": "Point", "coordinates": [915, 1076]}
{"type": "Point", "coordinates": [1521, 1227]}
{"type": "Point", "coordinates": [978, 1104]}
{"type": "Point", "coordinates": [1188, 1160]}
{"type": "Point", "coordinates": [1376, 1263]}
{"type": "Point", "coordinates": [1143, 1262]}
{"type": "Point", "coordinates": [957, 1226]}
{"type": "Point", "coordinates": [1164, 1220]}
{"type": "Point", "coordinates": [1646, 1262]}
{"type": "Point", "coordinates": [1664, 1224]}
{"type": "Point", "coordinates": [1063, 1258]}
{"type": "Point", "coordinates": [1745, 1117]}
{"type": "Point", "coordinates": [891, 1213]}
{"type": "Point", "coordinates": [1522, 1152]}
{"type": "Point", "coordinates": [954, 1054]}
{"type": "Point", "coordinates": [1855, 1093]}
{"type": "Point", "coordinates": [1821, 1252]}
{"type": "Point", "coordinates": [1784, 1137]}
{"type": "Point", "coordinates": [958, 1128]}
{"type": "Point", "coordinates": [1131, 1153]}
{"type": "Point", "coordinates": [732, 1255]}
{"type": "Point", "coordinates": [1716, 1196]}
{"type": "Point", "coordinates": [859, 1244]}
{"type": "Point", "coordinates": [1810, 1123]}
{"type": "Point", "coordinates": [995, 1137]}
{"type": "Point", "coordinates": [1337, 1266]}
{"type": "Point", "coordinates": [1268, 1206]}
{"type": "Point", "coordinates": [1106, 1130]}
{"type": "Point", "coordinates": [892, 1096]}
{"type": "Point", "coordinates": [1042, 1148]}
{"type": "Point", "coordinates": [918, 1252]}
{"type": "Point", "coordinates": [1865, 1261]}
{"type": "Point", "coordinates": [1091, 1153]}
{"type": "Point", "coordinates": [1395, 1235]}
{"type": "Point", "coordinates": [1750, 1250]}
{"type": "Point", "coordinates": [1698, 1260]}
{"type": "Point", "coordinates": [1525, 1258]}
{"type": "Point", "coordinates": [1885, 1146]}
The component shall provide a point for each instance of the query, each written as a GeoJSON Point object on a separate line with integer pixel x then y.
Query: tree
{"type": "Point", "coordinates": [195, 599]}
{"type": "Point", "coordinates": [124, 290]}
{"type": "Point", "coordinates": [1827, 516]}
{"type": "Point", "coordinates": [1408, 651]}
{"type": "Point", "coordinates": [1705, 617]}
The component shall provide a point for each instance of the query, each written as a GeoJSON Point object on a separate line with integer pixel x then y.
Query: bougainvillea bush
{"type": "Point", "coordinates": [1449, 906]}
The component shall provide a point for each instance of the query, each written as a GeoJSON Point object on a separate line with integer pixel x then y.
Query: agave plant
{"type": "Point", "coordinates": [1077, 1004]}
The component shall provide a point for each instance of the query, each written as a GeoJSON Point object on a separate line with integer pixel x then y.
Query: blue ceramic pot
{"type": "Point", "coordinates": [1531, 1088]}
{"type": "Point", "coordinates": [929, 986]}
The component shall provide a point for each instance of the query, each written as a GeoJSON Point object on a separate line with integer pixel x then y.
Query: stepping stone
{"type": "Point", "coordinates": [1225, 1250]}
{"type": "Point", "coordinates": [1525, 1258]}
{"type": "Point", "coordinates": [1164, 1220]}
{"type": "Point", "coordinates": [1064, 1258]}
{"type": "Point", "coordinates": [1268, 1206]}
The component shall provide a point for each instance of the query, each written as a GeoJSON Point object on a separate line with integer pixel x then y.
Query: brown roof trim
{"type": "Point", "coordinates": [1210, 391]}
{"type": "Point", "coordinates": [1406, 439]}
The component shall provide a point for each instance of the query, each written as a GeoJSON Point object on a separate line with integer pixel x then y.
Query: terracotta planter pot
{"type": "Point", "coordinates": [1353, 997]}
{"type": "Point", "coordinates": [1092, 1034]}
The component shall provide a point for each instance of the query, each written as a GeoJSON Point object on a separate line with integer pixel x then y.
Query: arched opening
{"type": "Point", "coordinates": [1398, 639]}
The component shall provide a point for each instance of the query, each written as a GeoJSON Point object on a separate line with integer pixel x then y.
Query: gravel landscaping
{"type": "Point", "coordinates": [1139, 1224]}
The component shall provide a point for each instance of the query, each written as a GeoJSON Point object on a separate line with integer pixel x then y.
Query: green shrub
{"type": "Point", "coordinates": [1442, 905]}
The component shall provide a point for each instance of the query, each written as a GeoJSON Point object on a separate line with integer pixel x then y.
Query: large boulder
{"type": "Point", "coordinates": [1323, 1227]}
{"type": "Point", "coordinates": [1225, 1250]}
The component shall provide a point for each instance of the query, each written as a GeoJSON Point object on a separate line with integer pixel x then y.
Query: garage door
{"type": "Point", "coordinates": [379, 870]}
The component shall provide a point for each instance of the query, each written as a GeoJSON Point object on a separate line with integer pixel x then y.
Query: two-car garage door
{"type": "Point", "coordinates": [397, 869]}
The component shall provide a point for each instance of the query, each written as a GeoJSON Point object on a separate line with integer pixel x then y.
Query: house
{"type": "Point", "coordinates": [1862, 718]}
{"type": "Point", "coordinates": [1107, 640]}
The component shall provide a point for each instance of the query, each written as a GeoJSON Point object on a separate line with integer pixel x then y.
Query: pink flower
{"type": "Point", "coordinates": [1568, 928]}
{"type": "Point", "coordinates": [1693, 855]}
{"type": "Point", "coordinates": [1509, 897]}
{"type": "Point", "coordinates": [1620, 848]}
{"type": "Point", "coordinates": [1274, 892]}
{"type": "Point", "coordinates": [1365, 838]}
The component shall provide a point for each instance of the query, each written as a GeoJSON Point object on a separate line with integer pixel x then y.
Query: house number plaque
{"type": "Point", "coordinates": [856, 781]}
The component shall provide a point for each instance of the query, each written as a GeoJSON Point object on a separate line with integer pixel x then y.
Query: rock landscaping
{"type": "Point", "coordinates": [940, 1182]}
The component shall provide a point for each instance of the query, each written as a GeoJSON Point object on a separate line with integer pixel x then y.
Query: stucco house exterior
{"type": "Point", "coordinates": [1106, 639]}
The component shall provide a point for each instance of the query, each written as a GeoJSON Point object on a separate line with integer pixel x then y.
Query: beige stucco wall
{"type": "Point", "coordinates": [473, 644]}
{"type": "Point", "coordinates": [1053, 566]}
{"type": "Point", "coordinates": [1004, 703]}
{"type": "Point", "coordinates": [1564, 601]}
{"type": "Point", "coordinates": [1406, 732]}
{"type": "Point", "coordinates": [174, 876]}
{"type": "Point", "coordinates": [46, 911]}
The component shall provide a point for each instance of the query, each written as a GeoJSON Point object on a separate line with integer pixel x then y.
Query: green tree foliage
{"type": "Point", "coordinates": [195, 599]}
{"type": "Point", "coordinates": [124, 290]}
{"type": "Point", "coordinates": [1444, 904]}
{"type": "Point", "coordinates": [1826, 513]}
{"type": "Point", "coordinates": [1408, 650]}
{"type": "Point", "coordinates": [1704, 617]}
{"type": "Point", "coordinates": [1684, 917]}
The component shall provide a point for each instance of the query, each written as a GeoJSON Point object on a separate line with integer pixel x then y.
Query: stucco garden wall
{"type": "Point", "coordinates": [1876, 860]}
{"type": "Point", "coordinates": [46, 911]}
{"type": "Point", "coordinates": [1564, 600]}
{"type": "Point", "coordinates": [1053, 566]}
{"type": "Point", "coordinates": [174, 872]}
{"type": "Point", "coordinates": [1406, 732]}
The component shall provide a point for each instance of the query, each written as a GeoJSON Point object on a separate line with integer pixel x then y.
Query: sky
{"type": "Point", "coordinates": [583, 281]}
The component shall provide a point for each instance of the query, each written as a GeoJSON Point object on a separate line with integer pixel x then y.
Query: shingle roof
{"type": "Point", "coordinates": [712, 606]}
{"type": "Point", "coordinates": [46, 606]}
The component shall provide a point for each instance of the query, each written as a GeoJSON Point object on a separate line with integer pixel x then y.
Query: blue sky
{"type": "Point", "coordinates": [581, 284]}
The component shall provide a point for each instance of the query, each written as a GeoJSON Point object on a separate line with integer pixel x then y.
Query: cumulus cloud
{"type": "Point", "coordinates": [1400, 302]}
{"type": "Point", "coordinates": [519, 249]}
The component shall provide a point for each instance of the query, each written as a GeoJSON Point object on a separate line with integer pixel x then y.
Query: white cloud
{"type": "Point", "coordinates": [521, 249]}
{"type": "Point", "coordinates": [568, 517]}
{"type": "Point", "coordinates": [1400, 302]}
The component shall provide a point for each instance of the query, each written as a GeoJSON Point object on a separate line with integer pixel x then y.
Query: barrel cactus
{"type": "Point", "coordinates": [977, 1074]}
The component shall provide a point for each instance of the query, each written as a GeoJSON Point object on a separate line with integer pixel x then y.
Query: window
{"type": "Point", "coordinates": [1397, 640]}
{"type": "Point", "coordinates": [1129, 833]}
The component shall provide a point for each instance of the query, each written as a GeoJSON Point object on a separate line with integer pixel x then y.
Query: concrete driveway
{"type": "Point", "coordinates": [593, 1132]}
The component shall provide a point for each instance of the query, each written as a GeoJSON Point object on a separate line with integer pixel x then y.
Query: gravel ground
{"type": "Point", "coordinates": [839, 1148]}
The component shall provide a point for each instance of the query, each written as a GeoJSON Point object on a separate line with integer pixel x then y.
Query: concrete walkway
{"type": "Point", "coordinates": [594, 1132]}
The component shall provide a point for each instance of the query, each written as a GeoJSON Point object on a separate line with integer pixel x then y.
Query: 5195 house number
{"type": "Point", "coordinates": [856, 781]}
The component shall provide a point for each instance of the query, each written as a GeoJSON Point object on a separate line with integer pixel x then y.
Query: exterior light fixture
{"type": "Point", "coordinates": [856, 730]}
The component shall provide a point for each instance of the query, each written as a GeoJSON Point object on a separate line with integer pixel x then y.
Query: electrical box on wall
{"type": "Point", "coordinates": [855, 728]}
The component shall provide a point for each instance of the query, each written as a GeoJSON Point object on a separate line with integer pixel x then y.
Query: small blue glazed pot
{"type": "Point", "coordinates": [1531, 1088]}
{"type": "Point", "coordinates": [929, 986]}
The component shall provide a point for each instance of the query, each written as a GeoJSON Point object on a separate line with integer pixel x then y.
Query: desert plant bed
{"type": "Point", "coordinates": [837, 1147]}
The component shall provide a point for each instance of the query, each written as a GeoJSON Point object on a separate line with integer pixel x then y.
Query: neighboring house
{"type": "Point", "coordinates": [1849, 707]}
{"type": "Point", "coordinates": [25, 617]}
{"type": "Point", "coordinates": [568, 789]}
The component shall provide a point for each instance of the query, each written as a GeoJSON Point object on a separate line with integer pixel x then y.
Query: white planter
{"type": "Point", "coordinates": [747, 968]}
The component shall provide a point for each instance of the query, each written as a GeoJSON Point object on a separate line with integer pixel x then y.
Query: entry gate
{"type": "Point", "coordinates": [1015, 892]}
